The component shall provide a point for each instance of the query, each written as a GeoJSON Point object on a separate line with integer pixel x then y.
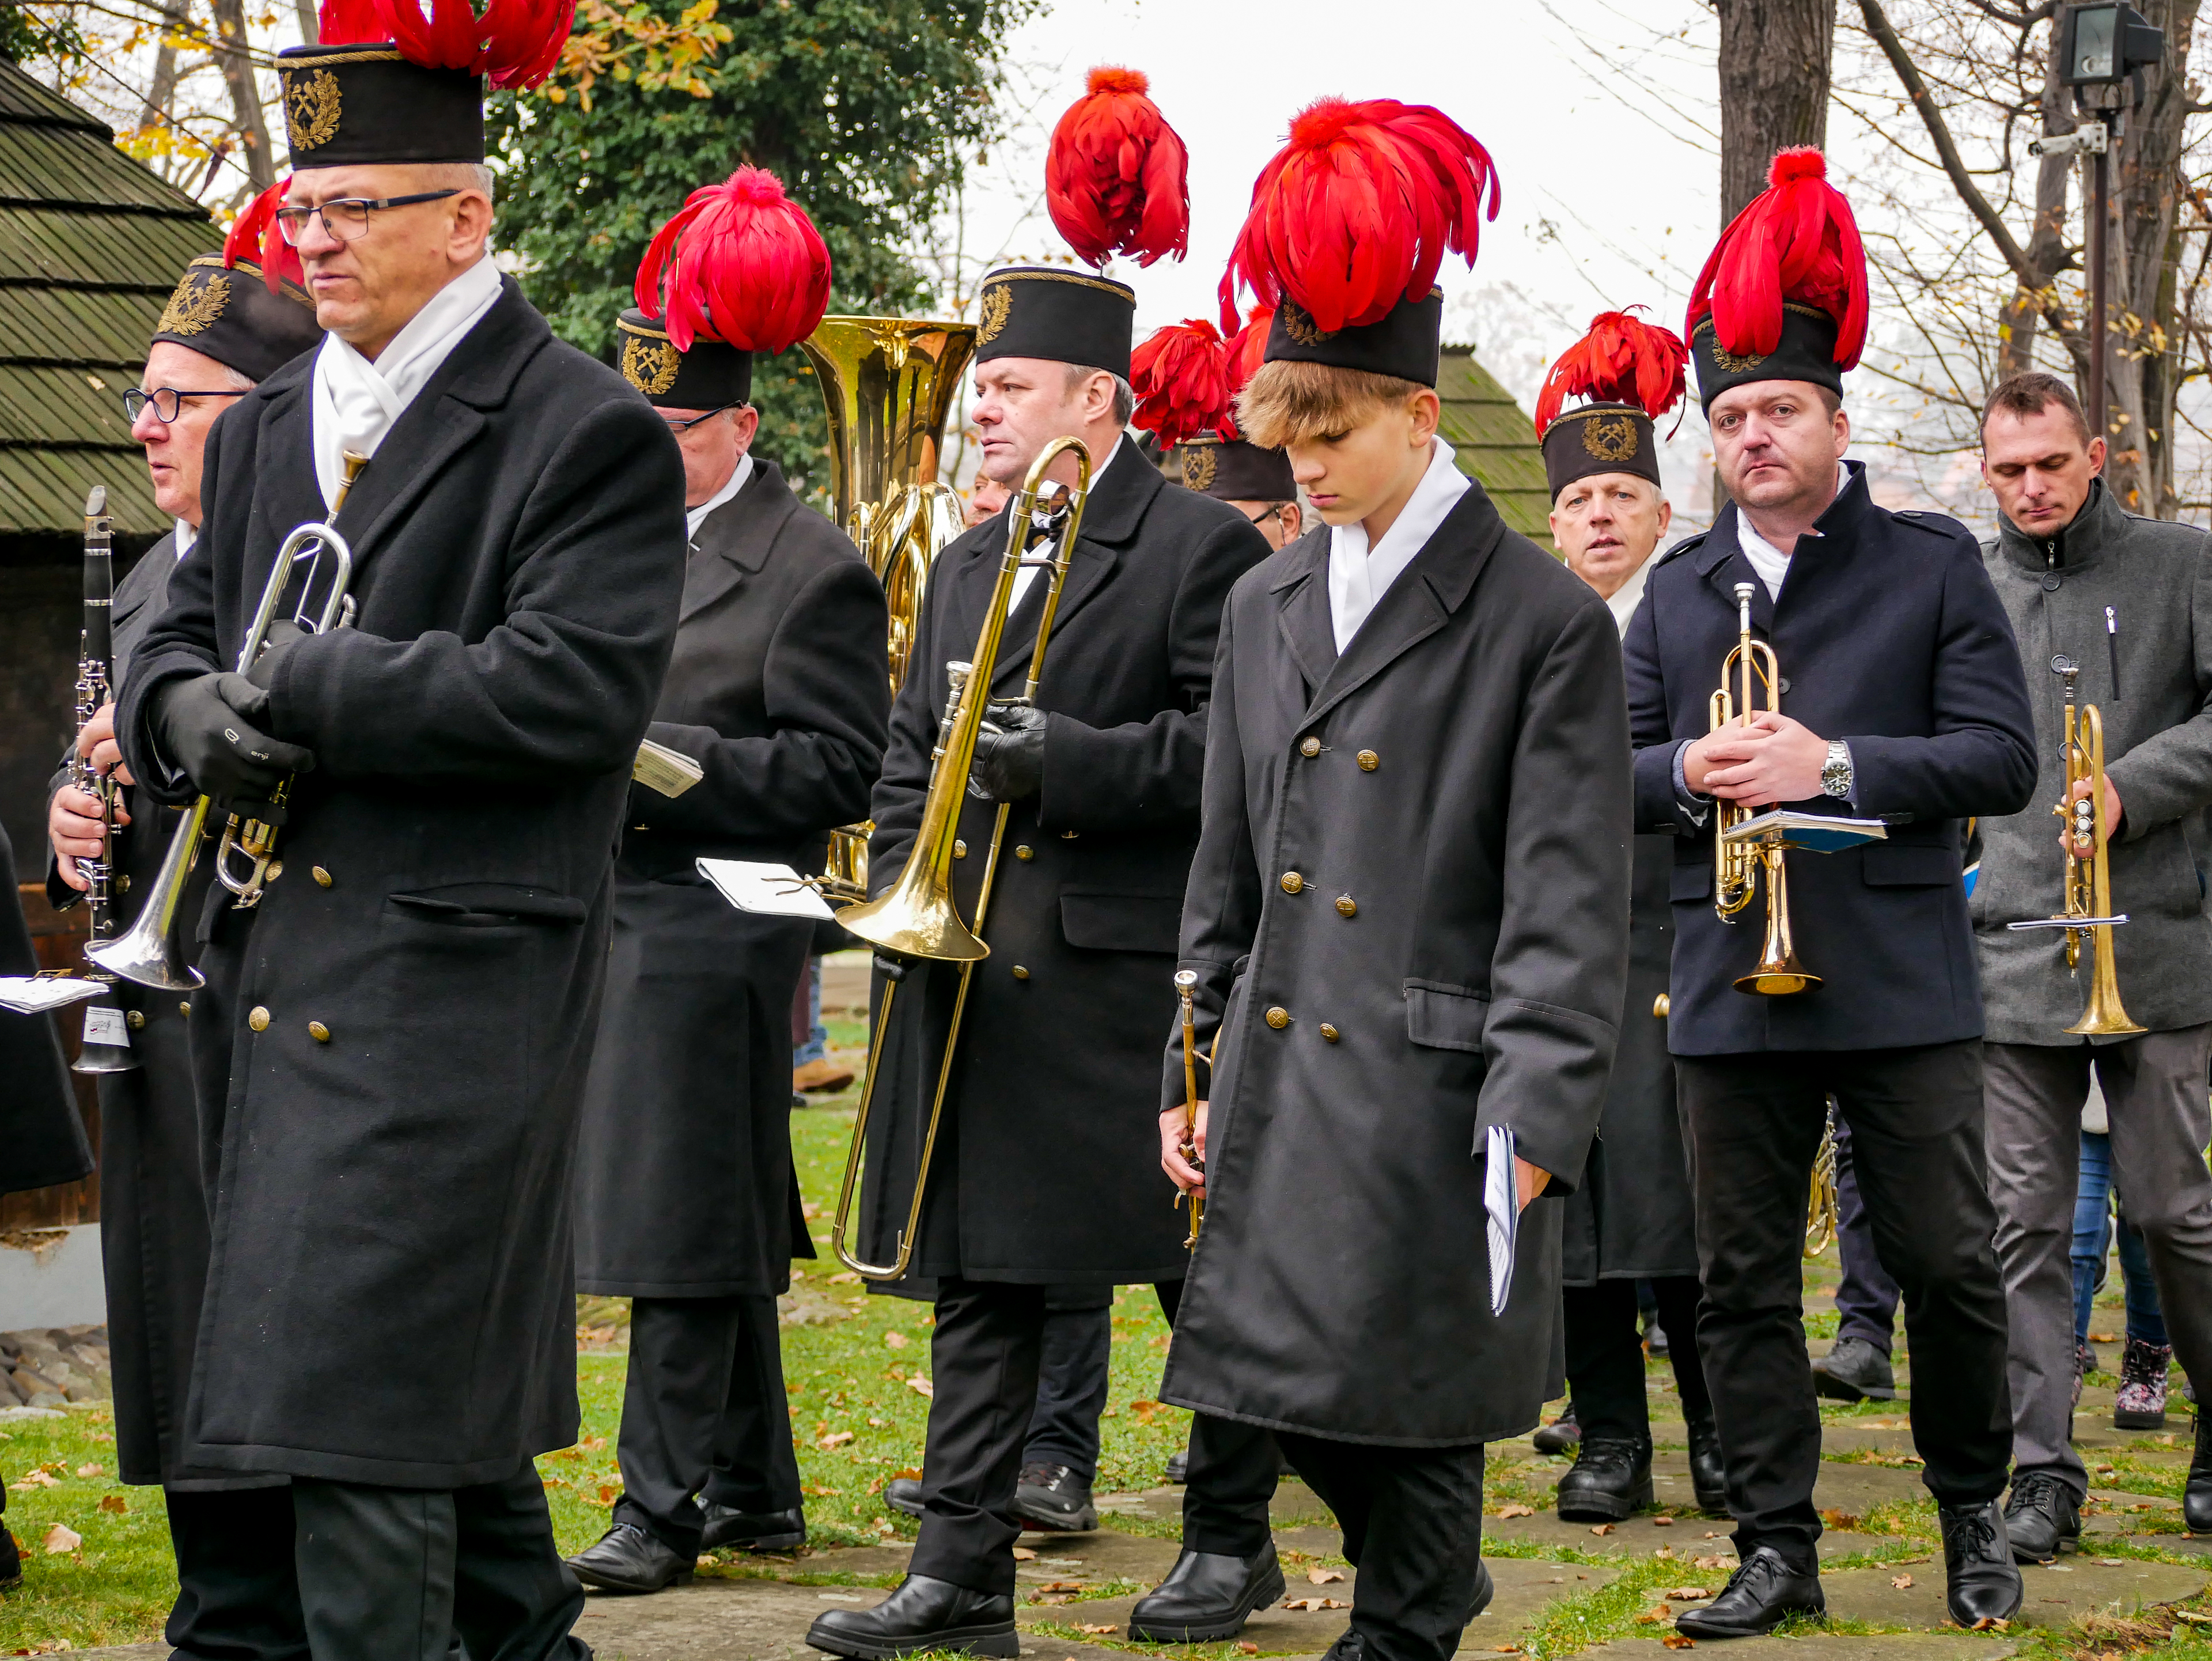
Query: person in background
{"type": "Point", "coordinates": [2099, 1214]}
{"type": "Point", "coordinates": [1857, 1367]}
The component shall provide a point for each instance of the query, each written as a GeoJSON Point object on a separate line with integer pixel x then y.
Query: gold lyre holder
{"type": "Point", "coordinates": [1186, 984]}
{"type": "Point", "coordinates": [1751, 667]}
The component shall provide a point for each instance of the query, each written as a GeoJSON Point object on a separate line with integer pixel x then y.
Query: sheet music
{"type": "Point", "coordinates": [765, 890]}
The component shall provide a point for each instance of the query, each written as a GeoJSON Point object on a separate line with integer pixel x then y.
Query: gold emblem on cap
{"type": "Point", "coordinates": [311, 109]}
{"type": "Point", "coordinates": [1199, 464]}
{"type": "Point", "coordinates": [1298, 324]}
{"type": "Point", "coordinates": [195, 304]}
{"type": "Point", "coordinates": [1610, 438]}
{"type": "Point", "coordinates": [650, 365]}
{"type": "Point", "coordinates": [997, 306]}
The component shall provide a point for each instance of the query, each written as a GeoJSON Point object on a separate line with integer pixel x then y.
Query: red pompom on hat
{"type": "Point", "coordinates": [1248, 350]}
{"type": "Point", "coordinates": [512, 43]}
{"type": "Point", "coordinates": [1622, 360]}
{"type": "Point", "coordinates": [1797, 242]}
{"type": "Point", "coordinates": [1358, 209]}
{"type": "Point", "coordinates": [1181, 374]}
{"type": "Point", "coordinates": [740, 263]}
{"type": "Point", "coordinates": [1117, 178]}
{"type": "Point", "coordinates": [255, 235]}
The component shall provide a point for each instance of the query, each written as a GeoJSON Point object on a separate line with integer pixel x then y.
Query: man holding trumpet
{"type": "Point", "coordinates": [2127, 603]}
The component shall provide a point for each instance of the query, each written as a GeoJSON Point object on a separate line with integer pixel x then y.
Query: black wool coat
{"type": "Point", "coordinates": [1409, 918]}
{"type": "Point", "coordinates": [780, 689]}
{"type": "Point", "coordinates": [152, 1205]}
{"type": "Point", "coordinates": [1889, 637]}
{"type": "Point", "coordinates": [42, 1140]}
{"type": "Point", "coordinates": [391, 1264]}
{"type": "Point", "coordinates": [1047, 1169]}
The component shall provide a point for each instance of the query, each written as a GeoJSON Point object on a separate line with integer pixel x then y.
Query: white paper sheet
{"type": "Point", "coordinates": [1501, 1201]}
{"type": "Point", "coordinates": [767, 891]}
{"type": "Point", "coordinates": [29, 994]}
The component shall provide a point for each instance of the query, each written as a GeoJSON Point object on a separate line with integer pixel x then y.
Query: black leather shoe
{"type": "Point", "coordinates": [1708, 1468]}
{"type": "Point", "coordinates": [1484, 1590]}
{"type": "Point", "coordinates": [1207, 1594]}
{"type": "Point", "coordinates": [753, 1530]}
{"type": "Point", "coordinates": [903, 1494]}
{"type": "Point", "coordinates": [1853, 1369]}
{"type": "Point", "coordinates": [628, 1558]}
{"type": "Point", "coordinates": [1981, 1581]}
{"type": "Point", "coordinates": [1179, 1466]}
{"type": "Point", "coordinates": [1561, 1434]}
{"type": "Point", "coordinates": [920, 1614]}
{"type": "Point", "coordinates": [2197, 1492]}
{"type": "Point", "coordinates": [2042, 1519]}
{"type": "Point", "coordinates": [1610, 1478]}
{"type": "Point", "coordinates": [11, 1560]}
{"type": "Point", "coordinates": [1053, 1499]}
{"type": "Point", "coordinates": [1758, 1597]}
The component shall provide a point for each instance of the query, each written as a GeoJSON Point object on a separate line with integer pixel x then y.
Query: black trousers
{"type": "Point", "coordinates": [1605, 1355]}
{"type": "Point", "coordinates": [237, 1594]}
{"type": "Point", "coordinates": [1916, 1119]}
{"type": "Point", "coordinates": [983, 1360]}
{"type": "Point", "coordinates": [1072, 1370]}
{"type": "Point", "coordinates": [399, 1574]}
{"type": "Point", "coordinates": [703, 1416]}
{"type": "Point", "coordinates": [1413, 1526]}
{"type": "Point", "coordinates": [1229, 1475]}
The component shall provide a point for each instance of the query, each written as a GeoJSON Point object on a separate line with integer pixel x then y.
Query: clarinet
{"type": "Point", "coordinates": [106, 1044]}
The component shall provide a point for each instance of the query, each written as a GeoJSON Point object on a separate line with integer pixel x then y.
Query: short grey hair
{"type": "Point", "coordinates": [461, 176]}
{"type": "Point", "coordinates": [1125, 395]}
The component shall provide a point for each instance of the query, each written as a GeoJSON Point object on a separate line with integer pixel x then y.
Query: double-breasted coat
{"type": "Point", "coordinates": [389, 1049]}
{"type": "Point", "coordinates": [780, 689]}
{"type": "Point", "coordinates": [1409, 918]}
{"type": "Point", "coordinates": [1046, 1169]}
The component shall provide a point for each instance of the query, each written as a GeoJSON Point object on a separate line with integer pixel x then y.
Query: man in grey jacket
{"type": "Point", "coordinates": [2130, 601]}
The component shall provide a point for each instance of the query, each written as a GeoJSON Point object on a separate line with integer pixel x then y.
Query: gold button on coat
{"type": "Point", "coordinates": [136, 1018]}
{"type": "Point", "coordinates": [184, 1008]}
{"type": "Point", "coordinates": [1020, 973]}
{"type": "Point", "coordinates": [322, 878]}
{"type": "Point", "coordinates": [1329, 1032]}
{"type": "Point", "coordinates": [1292, 882]}
{"type": "Point", "coordinates": [318, 1033]}
{"type": "Point", "coordinates": [276, 870]}
{"type": "Point", "coordinates": [1345, 905]}
{"type": "Point", "coordinates": [1025, 852]}
{"type": "Point", "coordinates": [257, 1019]}
{"type": "Point", "coordinates": [1279, 1018]}
{"type": "Point", "coordinates": [1369, 761]}
{"type": "Point", "coordinates": [959, 850]}
{"type": "Point", "coordinates": [1310, 747]}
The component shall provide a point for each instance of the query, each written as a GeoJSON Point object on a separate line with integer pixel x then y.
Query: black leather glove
{"type": "Point", "coordinates": [1009, 753]}
{"type": "Point", "coordinates": [281, 638]}
{"type": "Point", "coordinates": [206, 726]}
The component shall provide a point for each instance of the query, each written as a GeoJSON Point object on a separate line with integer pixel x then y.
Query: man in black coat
{"type": "Point", "coordinates": [237, 1595]}
{"type": "Point", "coordinates": [779, 690]}
{"type": "Point", "coordinates": [1045, 1170]}
{"type": "Point", "coordinates": [1902, 703]}
{"type": "Point", "coordinates": [390, 1047]}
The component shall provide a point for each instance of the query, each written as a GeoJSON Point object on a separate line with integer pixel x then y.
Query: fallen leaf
{"type": "Point", "coordinates": [1095, 1632]}
{"type": "Point", "coordinates": [921, 1386]}
{"type": "Point", "coordinates": [914, 1473]}
{"type": "Point", "coordinates": [1320, 1577]}
{"type": "Point", "coordinates": [1686, 1594]}
{"type": "Point", "coordinates": [1709, 1562]}
{"type": "Point", "coordinates": [606, 1493]}
{"type": "Point", "coordinates": [845, 1278]}
{"type": "Point", "coordinates": [1311, 1604]}
{"type": "Point", "coordinates": [1841, 1520]}
{"type": "Point", "coordinates": [1516, 1510]}
{"type": "Point", "coordinates": [2110, 1562]}
{"type": "Point", "coordinates": [1662, 1522]}
{"type": "Point", "coordinates": [114, 1503]}
{"type": "Point", "coordinates": [62, 1538]}
{"type": "Point", "coordinates": [35, 1479]}
{"type": "Point", "coordinates": [1990, 1623]}
{"type": "Point", "coordinates": [818, 1489]}
{"type": "Point", "coordinates": [1601, 1528]}
{"type": "Point", "coordinates": [2103, 1338]}
{"type": "Point", "coordinates": [2102, 1471]}
{"type": "Point", "coordinates": [1143, 1411]}
{"type": "Point", "coordinates": [1679, 1640]}
{"type": "Point", "coordinates": [1062, 1586]}
{"type": "Point", "coordinates": [1655, 1616]}
{"type": "Point", "coordinates": [893, 1340]}
{"type": "Point", "coordinates": [836, 1438]}
{"type": "Point", "coordinates": [1505, 1649]}
{"type": "Point", "coordinates": [1023, 1555]}
{"type": "Point", "coordinates": [592, 1444]}
{"type": "Point", "coordinates": [1901, 1582]}
{"type": "Point", "coordinates": [90, 1470]}
{"type": "Point", "coordinates": [1248, 1649]}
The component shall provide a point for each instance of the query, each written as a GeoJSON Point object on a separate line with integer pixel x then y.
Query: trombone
{"type": "Point", "coordinates": [1738, 863]}
{"type": "Point", "coordinates": [917, 918]}
{"type": "Point", "coordinates": [149, 952]}
{"type": "Point", "coordinates": [2088, 877]}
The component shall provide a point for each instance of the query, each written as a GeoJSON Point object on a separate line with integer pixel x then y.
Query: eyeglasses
{"type": "Point", "coordinates": [1266, 514]}
{"type": "Point", "coordinates": [346, 219]}
{"type": "Point", "coordinates": [166, 401]}
{"type": "Point", "coordinates": [680, 428]}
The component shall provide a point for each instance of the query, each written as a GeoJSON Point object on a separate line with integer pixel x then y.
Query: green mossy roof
{"type": "Point", "coordinates": [1496, 443]}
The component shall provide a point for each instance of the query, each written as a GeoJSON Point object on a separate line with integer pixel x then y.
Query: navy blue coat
{"type": "Point", "coordinates": [1890, 637]}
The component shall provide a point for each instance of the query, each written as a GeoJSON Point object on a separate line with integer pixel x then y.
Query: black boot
{"type": "Point", "coordinates": [1708, 1466]}
{"type": "Point", "coordinates": [1053, 1499]}
{"type": "Point", "coordinates": [1179, 1466]}
{"type": "Point", "coordinates": [1854, 1370]}
{"type": "Point", "coordinates": [1484, 1590]}
{"type": "Point", "coordinates": [1207, 1595]}
{"type": "Point", "coordinates": [753, 1530]}
{"type": "Point", "coordinates": [1758, 1596]}
{"type": "Point", "coordinates": [920, 1614]}
{"type": "Point", "coordinates": [1610, 1478]}
{"type": "Point", "coordinates": [903, 1494]}
{"type": "Point", "coordinates": [628, 1558]}
{"type": "Point", "coordinates": [1561, 1434]}
{"type": "Point", "coordinates": [11, 1560]}
{"type": "Point", "coordinates": [2196, 1492]}
{"type": "Point", "coordinates": [1981, 1581]}
{"type": "Point", "coordinates": [2042, 1519]}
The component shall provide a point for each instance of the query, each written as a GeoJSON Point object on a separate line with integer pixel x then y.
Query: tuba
{"type": "Point", "coordinates": [889, 383]}
{"type": "Point", "coordinates": [1738, 864]}
{"type": "Point", "coordinates": [916, 918]}
{"type": "Point", "coordinates": [2088, 875]}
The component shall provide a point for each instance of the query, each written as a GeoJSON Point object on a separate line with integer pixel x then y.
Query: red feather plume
{"type": "Point", "coordinates": [1248, 350]}
{"type": "Point", "coordinates": [254, 235]}
{"type": "Point", "coordinates": [1358, 209]}
{"type": "Point", "coordinates": [1181, 374]}
{"type": "Point", "coordinates": [1797, 241]}
{"type": "Point", "coordinates": [1117, 178]}
{"type": "Point", "coordinates": [1622, 360]}
{"type": "Point", "coordinates": [740, 263]}
{"type": "Point", "coordinates": [513, 42]}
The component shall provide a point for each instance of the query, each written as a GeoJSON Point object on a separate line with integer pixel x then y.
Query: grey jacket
{"type": "Point", "coordinates": [2131, 600]}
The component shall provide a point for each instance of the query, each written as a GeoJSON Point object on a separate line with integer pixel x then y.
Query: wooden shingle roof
{"type": "Point", "coordinates": [91, 244]}
{"type": "Point", "coordinates": [1495, 443]}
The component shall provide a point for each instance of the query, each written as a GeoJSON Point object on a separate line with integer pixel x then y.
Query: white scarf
{"type": "Point", "coordinates": [357, 402]}
{"type": "Point", "coordinates": [1359, 577]}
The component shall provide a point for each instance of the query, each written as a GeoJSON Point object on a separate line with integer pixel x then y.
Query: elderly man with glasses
{"type": "Point", "coordinates": [391, 1045]}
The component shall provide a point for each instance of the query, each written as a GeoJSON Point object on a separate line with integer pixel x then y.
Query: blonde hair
{"type": "Point", "coordinates": [1288, 403]}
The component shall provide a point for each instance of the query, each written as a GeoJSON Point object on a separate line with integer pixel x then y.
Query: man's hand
{"type": "Point", "coordinates": [206, 727]}
{"type": "Point", "coordinates": [2083, 848]}
{"type": "Point", "coordinates": [1180, 1170]}
{"type": "Point", "coordinates": [73, 826]}
{"type": "Point", "coordinates": [1009, 753]}
{"type": "Point", "coordinates": [97, 742]}
{"type": "Point", "coordinates": [1529, 1181]}
{"type": "Point", "coordinates": [1774, 759]}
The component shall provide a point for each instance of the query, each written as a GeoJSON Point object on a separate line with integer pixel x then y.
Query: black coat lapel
{"type": "Point", "coordinates": [1722, 562]}
{"type": "Point", "coordinates": [735, 539]}
{"type": "Point", "coordinates": [1303, 618]}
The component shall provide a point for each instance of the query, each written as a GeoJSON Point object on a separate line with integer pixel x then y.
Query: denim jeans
{"type": "Point", "coordinates": [813, 1044]}
{"type": "Point", "coordinates": [2092, 1234]}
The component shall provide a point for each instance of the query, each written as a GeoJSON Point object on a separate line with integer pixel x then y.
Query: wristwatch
{"type": "Point", "coordinates": [1836, 774]}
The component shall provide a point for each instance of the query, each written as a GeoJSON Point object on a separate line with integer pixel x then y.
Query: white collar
{"type": "Point", "coordinates": [1770, 563]}
{"type": "Point", "coordinates": [1622, 602]}
{"type": "Point", "coordinates": [739, 476]}
{"type": "Point", "coordinates": [187, 534]}
{"type": "Point", "coordinates": [1359, 576]}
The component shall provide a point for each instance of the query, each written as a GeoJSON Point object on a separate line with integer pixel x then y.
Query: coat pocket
{"type": "Point", "coordinates": [1691, 881]}
{"type": "Point", "coordinates": [1097, 922]}
{"type": "Point", "coordinates": [1439, 1017]}
{"type": "Point", "coordinates": [1908, 865]}
{"type": "Point", "coordinates": [491, 905]}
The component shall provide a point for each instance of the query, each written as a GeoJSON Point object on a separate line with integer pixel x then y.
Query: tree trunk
{"type": "Point", "coordinates": [253, 128]}
{"type": "Point", "coordinates": [2019, 317]}
{"type": "Point", "coordinates": [311, 29]}
{"type": "Point", "coordinates": [162, 91]}
{"type": "Point", "coordinates": [1774, 60]}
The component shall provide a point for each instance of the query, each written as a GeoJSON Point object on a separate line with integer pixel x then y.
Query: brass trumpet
{"type": "Point", "coordinates": [2088, 877]}
{"type": "Point", "coordinates": [1738, 864]}
{"type": "Point", "coordinates": [917, 917]}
